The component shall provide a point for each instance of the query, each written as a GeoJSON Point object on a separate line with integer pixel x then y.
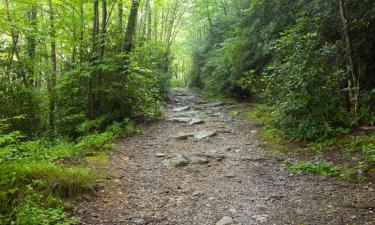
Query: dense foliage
{"type": "Point", "coordinates": [311, 60]}
{"type": "Point", "coordinates": [74, 74]}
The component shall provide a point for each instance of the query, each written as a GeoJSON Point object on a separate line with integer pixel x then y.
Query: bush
{"type": "Point", "coordinates": [302, 75]}
{"type": "Point", "coordinates": [320, 166]}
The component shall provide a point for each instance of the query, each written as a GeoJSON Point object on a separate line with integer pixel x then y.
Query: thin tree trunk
{"type": "Point", "coordinates": [31, 43]}
{"type": "Point", "coordinates": [149, 20]}
{"type": "Point", "coordinates": [130, 30]}
{"type": "Point", "coordinates": [92, 108]}
{"type": "Point", "coordinates": [353, 79]}
{"type": "Point", "coordinates": [82, 25]}
{"type": "Point", "coordinates": [104, 28]}
{"type": "Point", "coordinates": [120, 12]}
{"type": "Point", "coordinates": [52, 84]}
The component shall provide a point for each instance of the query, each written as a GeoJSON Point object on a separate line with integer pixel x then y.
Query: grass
{"type": "Point", "coordinates": [37, 177]}
{"type": "Point", "coordinates": [350, 157]}
{"type": "Point", "coordinates": [321, 167]}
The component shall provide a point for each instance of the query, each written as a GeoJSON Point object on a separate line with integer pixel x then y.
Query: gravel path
{"type": "Point", "coordinates": [230, 177]}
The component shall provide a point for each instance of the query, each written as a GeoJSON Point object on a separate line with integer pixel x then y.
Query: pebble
{"type": "Point", "coordinates": [226, 220]}
{"type": "Point", "coordinates": [160, 154]}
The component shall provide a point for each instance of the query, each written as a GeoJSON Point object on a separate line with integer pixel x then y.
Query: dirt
{"type": "Point", "coordinates": [242, 181]}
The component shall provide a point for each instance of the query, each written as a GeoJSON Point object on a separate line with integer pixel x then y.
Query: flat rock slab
{"type": "Point", "coordinates": [180, 119]}
{"type": "Point", "coordinates": [226, 220]}
{"type": "Point", "coordinates": [195, 121]}
{"type": "Point", "coordinates": [199, 159]}
{"type": "Point", "coordinates": [175, 161]}
{"type": "Point", "coordinates": [158, 154]}
{"type": "Point", "coordinates": [180, 109]}
{"type": "Point", "coordinates": [180, 136]}
{"type": "Point", "coordinates": [220, 114]}
{"type": "Point", "coordinates": [217, 157]}
{"type": "Point", "coordinates": [204, 134]}
{"type": "Point", "coordinates": [215, 104]}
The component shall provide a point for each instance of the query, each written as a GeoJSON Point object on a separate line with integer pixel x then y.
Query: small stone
{"type": "Point", "coordinates": [253, 159]}
{"type": "Point", "coordinates": [204, 134]}
{"type": "Point", "coordinates": [195, 121]}
{"type": "Point", "coordinates": [180, 136]}
{"type": "Point", "coordinates": [160, 155]}
{"type": "Point", "coordinates": [139, 221]}
{"type": "Point", "coordinates": [232, 210]}
{"type": "Point", "coordinates": [220, 114]}
{"type": "Point", "coordinates": [261, 218]}
{"type": "Point", "coordinates": [176, 161]}
{"type": "Point", "coordinates": [230, 175]}
{"type": "Point", "coordinates": [180, 109]}
{"type": "Point", "coordinates": [226, 220]}
{"type": "Point", "coordinates": [215, 104]}
{"type": "Point", "coordinates": [197, 193]}
{"type": "Point", "coordinates": [199, 159]}
{"type": "Point", "coordinates": [180, 119]}
{"type": "Point", "coordinates": [253, 131]}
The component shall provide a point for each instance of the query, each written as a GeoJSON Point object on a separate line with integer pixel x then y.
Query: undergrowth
{"type": "Point", "coordinates": [37, 176]}
{"type": "Point", "coordinates": [358, 150]}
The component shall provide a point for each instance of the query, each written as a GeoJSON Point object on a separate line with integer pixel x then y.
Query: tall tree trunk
{"type": "Point", "coordinates": [92, 107]}
{"type": "Point", "coordinates": [104, 28]}
{"type": "Point", "coordinates": [52, 83]}
{"type": "Point", "coordinates": [120, 13]}
{"type": "Point", "coordinates": [81, 31]}
{"type": "Point", "coordinates": [31, 43]}
{"type": "Point", "coordinates": [31, 62]}
{"type": "Point", "coordinates": [149, 20]}
{"type": "Point", "coordinates": [353, 78]}
{"type": "Point", "coordinates": [130, 30]}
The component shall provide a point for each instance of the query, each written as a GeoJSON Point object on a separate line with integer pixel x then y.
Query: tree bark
{"type": "Point", "coordinates": [130, 30]}
{"type": "Point", "coordinates": [31, 43]}
{"type": "Point", "coordinates": [353, 79]}
{"type": "Point", "coordinates": [52, 83]}
{"type": "Point", "coordinates": [104, 28]}
{"type": "Point", "coordinates": [92, 107]}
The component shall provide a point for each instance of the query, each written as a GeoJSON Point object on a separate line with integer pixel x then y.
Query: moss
{"type": "Point", "coordinates": [262, 114]}
{"type": "Point", "coordinates": [98, 157]}
{"type": "Point", "coordinates": [46, 176]}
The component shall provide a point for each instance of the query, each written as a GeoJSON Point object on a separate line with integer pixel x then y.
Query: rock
{"type": "Point", "coordinates": [226, 220]}
{"type": "Point", "coordinates": [233, 149]}
{"type": "Point", "coordinates": [180, 119]}
{"type": "Point", "coordinates": [225, 131]}
{"type": "Point", "coordinates": [261, 218]}
{"type": "Point", "coordinates": [175, 161]}
{"type": "Point", "coordinates": [220, 114]}
{"type": "Point", "coordinates": [232, 210]}
{"type": "Point", "coordinates": [138, 221]}
{"type": "Point", "coordinates": [160, 154]}
{"type": "Point", "coordinates": [180, 109]}
{"type": "Point", "coordinates": [180, 136]}
{"type": "Point", "coordinates": [215, 104]}
{"type": "Point", "coordinates": [253, 159]}
{"type": "Point", "coordinates": [199, 159]}
{"type": "Point", "coordinates": [195, 121]}
{"type": "Point", "coordinates": [230, 175]}
{"type": "Point", "coordinates": [218, 157]}
{"type": "Point", "coordinates": [197, 193]}
{"type": "Point", "coordinates": [253, 131]}
{"type": "Point", "coordinates": [204, 134]}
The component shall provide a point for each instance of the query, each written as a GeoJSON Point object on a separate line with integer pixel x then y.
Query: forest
{"type": "Point", "coordinates": [77, 75]}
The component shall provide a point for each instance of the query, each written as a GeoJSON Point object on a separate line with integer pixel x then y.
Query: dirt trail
{"type": "Point", "coordinates": [242, 182]}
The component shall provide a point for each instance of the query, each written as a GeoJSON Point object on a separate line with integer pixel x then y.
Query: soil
{"type": "Point", "coordinates": [242, 180]}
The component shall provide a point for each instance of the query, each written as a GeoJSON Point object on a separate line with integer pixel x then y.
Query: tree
{"type": "Point", "coordinates": [130, 29]}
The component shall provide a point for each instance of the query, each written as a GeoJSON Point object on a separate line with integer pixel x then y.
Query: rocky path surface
{"type": "Point", "coordinates": [199, 166]}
